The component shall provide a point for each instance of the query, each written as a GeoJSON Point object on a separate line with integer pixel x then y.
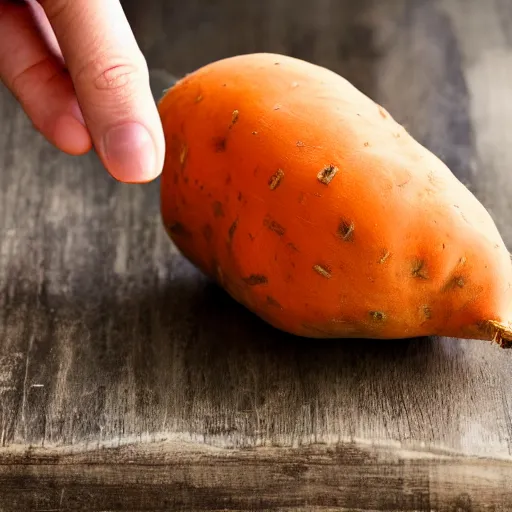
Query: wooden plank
{"type": "Point", "coordinates": [174, 476]}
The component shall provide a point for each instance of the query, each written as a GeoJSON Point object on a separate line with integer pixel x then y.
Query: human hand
{"type": "Point", "coordinates": [76, 69]}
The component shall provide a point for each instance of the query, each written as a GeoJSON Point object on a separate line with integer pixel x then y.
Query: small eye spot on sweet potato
{"type": "Point", "coordinates": [234, 118]}
{"type": "Point", "coordinates": [323, 271]}
{"type": "Point", "coordinates": [326, 175]}
{"type": "Point", "coordinates": [459, 281]}
{"type": "Point", "coordinates": [183, 155]}
{"type": "Point", "coordinates": [378, 316]}
{"type": "Point", "coordinates": [456, 281]}
{"type": "Point", "coordinates": [276, 179]}
{"type": "Point", "coordinates": [385, 256]}
{"type": "Point", "coordinates": [419, 269]}
{"type": "Point", "coordinates": [346, 230]}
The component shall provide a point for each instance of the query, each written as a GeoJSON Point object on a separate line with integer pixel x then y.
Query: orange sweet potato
{"type": "Point", "coordinates": [310, 205]}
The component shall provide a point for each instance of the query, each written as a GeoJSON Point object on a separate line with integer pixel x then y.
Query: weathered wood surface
{"type": "Point", "coordinates": [108, 337]}
{"type": "Point", "coordinates": [173, 477]}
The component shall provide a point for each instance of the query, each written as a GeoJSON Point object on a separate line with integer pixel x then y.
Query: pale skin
{"type": "Point", "coordinates": [79, 75]}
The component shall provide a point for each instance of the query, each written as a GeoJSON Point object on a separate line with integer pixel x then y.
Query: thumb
{"type": "Point", "coordinates": [111, 81]}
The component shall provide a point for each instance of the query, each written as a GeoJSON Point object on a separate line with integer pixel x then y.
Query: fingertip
{"type": "Point", "coordinates": [71, 136]}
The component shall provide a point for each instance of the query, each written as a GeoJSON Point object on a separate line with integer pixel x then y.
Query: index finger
{"type": "Point", "coordinates": [111, 81]}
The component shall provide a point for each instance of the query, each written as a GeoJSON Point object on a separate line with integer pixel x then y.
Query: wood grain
{"type": "Point", "coordinates": [170, 476]}
{"type": "Point", "coordinates": [108, 337]}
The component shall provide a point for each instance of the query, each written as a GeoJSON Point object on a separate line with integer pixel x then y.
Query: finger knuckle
{"type": "Point", "coordinates": [113, 77]}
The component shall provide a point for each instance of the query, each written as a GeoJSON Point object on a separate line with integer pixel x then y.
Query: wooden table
{"type": "Point", "coordinates": [129, 382]}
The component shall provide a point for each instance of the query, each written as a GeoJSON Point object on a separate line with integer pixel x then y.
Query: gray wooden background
{"type": "Point", "coordinates": [129, 382]}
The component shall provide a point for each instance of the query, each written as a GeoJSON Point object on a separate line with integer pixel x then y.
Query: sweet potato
{"type": "Point", "coordinates": [313, 207]}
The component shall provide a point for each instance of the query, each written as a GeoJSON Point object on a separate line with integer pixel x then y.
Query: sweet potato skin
{"type": "Point", "coordinates": [315, 209]}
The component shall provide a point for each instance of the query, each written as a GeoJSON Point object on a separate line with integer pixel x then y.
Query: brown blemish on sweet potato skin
{"type": "Point", "coordinates": [183, 156]}
{"type": "Point", "coordinates": [322, 270]}
{"type": "Point", "coordinates": [274, 226]}
{"type": "Point", "coordinates": [179, 229]}
{"type": "Point", "coordinates": [456, 281]}
{"type": "Point", "coordinates": [383, 112]}
{"type": "Point", "coordinates": [218, 209]}
{"type": "Point", "coordinates": [276, 179]}
{"type": "Point", "coordinates": [273, 302]}
{"type": "Point", "coordinates": [220, 143]}
{"type": "Point", "coordinates": [385, 256]}
{"type": "Point", "coordinates": [256, 279]}
{"type": "Point", "coordinates": [346, 230]}
{"type": "Point", "coordinates": [378, 316]}
{"type": "Point", "coordinates": [234, 118]}
{"type": "Point", "coordinates": [232, 229]}
{"type": "Point", "coordinates": [327, 174]}
{"type": "Point", "coordinates": [419, 269]}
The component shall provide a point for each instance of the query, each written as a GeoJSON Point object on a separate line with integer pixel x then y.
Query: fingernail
{"type": "Point", "coordinates": [130, 153]}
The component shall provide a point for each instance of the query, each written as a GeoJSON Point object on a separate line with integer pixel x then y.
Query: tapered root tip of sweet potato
{"type": "Point", "coordinates": [501, 333]}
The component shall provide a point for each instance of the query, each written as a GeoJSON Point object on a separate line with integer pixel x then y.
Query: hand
{"type": "Point", "coordinates": [76, 69]}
